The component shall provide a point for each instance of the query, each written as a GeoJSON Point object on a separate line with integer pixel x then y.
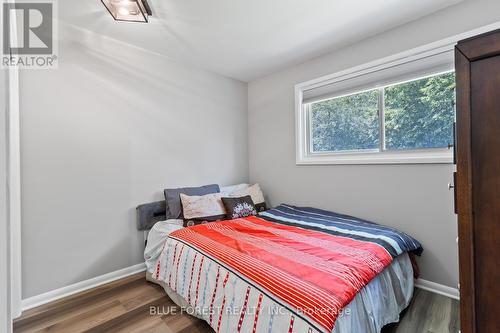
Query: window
{"type": "Point", "coordinates": [420, 114]}
{"type": "Point", "coordinates": [395, 110]}
{"type": "Point", "coordinates": [347, 123]}
{"type": "Point", "coordinates": [413, 115]}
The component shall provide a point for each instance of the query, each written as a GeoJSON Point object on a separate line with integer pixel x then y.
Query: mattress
{"type": "Point", "coordinates": [156, 238]}
{"type": "Point", "coordinates": [375, 305]}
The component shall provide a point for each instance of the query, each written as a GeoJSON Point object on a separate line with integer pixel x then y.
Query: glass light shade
{"type": "Point", "coordinates": [127, 10]}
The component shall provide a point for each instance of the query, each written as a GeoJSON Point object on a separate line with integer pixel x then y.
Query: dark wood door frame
{"type": "Point", "coordinates": [463, 189]}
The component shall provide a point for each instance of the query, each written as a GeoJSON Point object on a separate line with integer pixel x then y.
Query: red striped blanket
{"type": "Point", "coordinates": [312, 273]}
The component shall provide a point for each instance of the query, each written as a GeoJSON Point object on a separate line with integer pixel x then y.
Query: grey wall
{"type": "Point", "coordinates": [413, 198]}
{"type": "Point", "coordinates": [115, 124]}
{"type": "Point", "coordinates": [106, 131]}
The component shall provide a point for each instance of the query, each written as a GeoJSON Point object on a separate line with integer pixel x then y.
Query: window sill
{"type": "Point", "coordinates": [411, 157]}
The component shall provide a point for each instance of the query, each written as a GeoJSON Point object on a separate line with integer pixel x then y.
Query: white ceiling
{"type": "Point", "coordinates": [248, 39]}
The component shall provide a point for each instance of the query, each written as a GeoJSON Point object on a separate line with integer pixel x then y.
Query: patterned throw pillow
{"type": "Point", "coordinates": [239, 207]}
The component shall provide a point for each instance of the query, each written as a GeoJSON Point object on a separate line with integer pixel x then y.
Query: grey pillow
{"type": "Point", "coordinates": [173, 198]}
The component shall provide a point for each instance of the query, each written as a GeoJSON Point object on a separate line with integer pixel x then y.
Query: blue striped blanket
{"type": "Point", "coordinates": [394, 241]}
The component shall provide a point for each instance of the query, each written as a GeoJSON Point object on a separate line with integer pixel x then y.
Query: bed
{"type": "Point", "coordinates": [289, 269]}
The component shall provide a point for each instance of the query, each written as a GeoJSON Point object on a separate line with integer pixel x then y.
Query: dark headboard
{"type": "Point", "coordinates": [150, 213]}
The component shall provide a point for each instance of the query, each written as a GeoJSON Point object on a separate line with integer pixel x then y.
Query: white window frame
{"type": "Point", "coordinates": [304, 154]}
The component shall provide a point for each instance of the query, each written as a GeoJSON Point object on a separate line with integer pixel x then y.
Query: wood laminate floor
{"type": "Point", "coordinates": [124, 306]}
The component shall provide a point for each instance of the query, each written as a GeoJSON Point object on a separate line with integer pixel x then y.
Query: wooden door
{"type": "Point", "coordinates": [478, 181]}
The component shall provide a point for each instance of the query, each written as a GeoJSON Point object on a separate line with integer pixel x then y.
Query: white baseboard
{"type": "Point", "coordinates": [56, 294]}
{"type": "Point", "coordinates": [438, 288]}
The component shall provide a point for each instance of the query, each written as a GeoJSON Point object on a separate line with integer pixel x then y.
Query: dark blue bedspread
{"type": "Point", "coordinates": [393, 240]}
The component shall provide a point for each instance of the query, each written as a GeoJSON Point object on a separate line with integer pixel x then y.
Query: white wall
{"type": "Point", "coordinates": [106, 131]}
{"type": "Point", "coordinates": [413, 198]}
{"type": "Point", "coordinates": [5, 325]}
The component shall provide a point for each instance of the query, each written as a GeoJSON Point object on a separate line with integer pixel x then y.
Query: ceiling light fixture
{"type": "Point", "coordinates": [128, 10]}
